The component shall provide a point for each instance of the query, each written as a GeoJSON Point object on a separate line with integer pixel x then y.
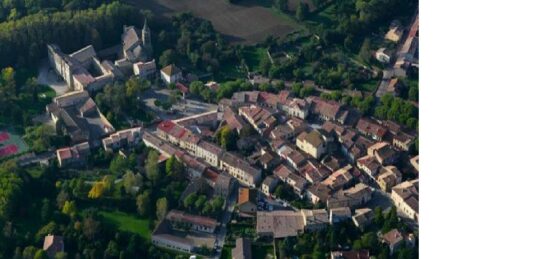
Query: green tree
{"type": "Point", "coordinates": [302, 11]}
{"type": "Point", "coordinates": [167, 57]}
{"type": "Point", "coordinates": [227, 138]}
{"type": "Point", "coordinates": [190, 200]}
{"type": "Point", "coordinates": [98, 189]}
{"type": "Point", "coordinates": [162, 208]}
{"type": "Point", "coordinates": [151, 167]}
{"type": "Point", "coordinates": [40, 254]}
{"type": "Point", "coordinates": [143, 203]}
{"type": "Point", "coordinates": [69, 208]}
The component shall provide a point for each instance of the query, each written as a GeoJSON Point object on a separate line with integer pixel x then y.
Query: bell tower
{"type": "Point", "coordinates": [146, 39]}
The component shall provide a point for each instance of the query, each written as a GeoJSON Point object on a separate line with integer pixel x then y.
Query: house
{"type": "Point", "coordinates": [315, 219]}
{"type": "Point", "coordinates": [383, 55]}
{"type": "Point", "coordinates": [327, 110]}
{"type": "Point", "coordinates": [291, 155]}
{"type": "Point", "coordinates": [354, 254]}
{"type": "Point", "coordinates": [339, 214]}
{"type": "Point", "coordinates": [145, 69]}
{"type": "Point", "coordinates": [363, 217]}
{"type": "Point", "coordinates": [371, 129]}
{"type": "Point", "coordinates": [210, 152]}
{"type": "Point", "coordinates": [389, 177]}
{"type": "Point", "coordinates": [73, 156]}
{"type": "Point", "coordinates": [314, 172]}
{"type": "Point", "coordinates": [403, 141]}
{"type": "Point", "coordinates": [269, 184]}
{"type": "Point", "coordinates": [405, 197]}
{"type": "Point", "coordinates": [233, 120]}
{"type": "Point", "coordinates": [165, 236]}
{"type": "Point", "coordinates": [395, 32]}
{"type": "Point", "coordinates": [353, 197]}
{"type": "Point", "coordinates": [279, 223]}
{"type": "Point", "coordinates": [242, 250]}
{"type": "Point", "coordinates": [318, 193]}
{"type": "Point", "coordinates": [311, 143]}
{"type": "Point", "coordinates": [339, 178]}
{"type": "Point", "coordinates": [394, 239]}
{"type": "Point", "coordinates": [296, 108]}
{"type": "Point", "coordinates": [286, 175]}
{"type": "Point", "coordinates": [222, 184]}
{"type": "Point", "coordinates": [75, 114]}
{"type": "Point", "coordinates": [53, 244]}
{"type": "Point", "coordinates": [383, 153]}
{"type": "Point", "coordinates": [268, 159]}
{"type": "Point", "coordinates": [261, 119]}
{"type": "Point", "coordinates": [247, 201]}
{"type": "Point", "coordinates": [122, 139]}
{"type": "Point", "coordinates": [170, 74]}
{"type": "Point", "coordinates": [182, 220]}
{"type": "Point", "coordinates": [240, 169]}
{"type": "Point", "coordinates": [369, 165]}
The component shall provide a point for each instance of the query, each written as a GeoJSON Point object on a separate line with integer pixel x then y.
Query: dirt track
{"type": "Point", "coordinates": [246, 23]}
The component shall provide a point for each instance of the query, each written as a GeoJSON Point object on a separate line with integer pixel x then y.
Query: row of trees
{"type": "Point", "coordinates": [397, 109]}
{"type": "Point", "coordinates": [199, 204]}
{"type": "Point", "coordinates": [15, 9]}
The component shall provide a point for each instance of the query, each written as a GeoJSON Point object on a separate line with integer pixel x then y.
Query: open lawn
{"type": "Point", "coordinates": [247, 23]}
{"type": "Point", "coordinates": [253, 56]}
{"type": "Point", "coordinates": [127, 222]}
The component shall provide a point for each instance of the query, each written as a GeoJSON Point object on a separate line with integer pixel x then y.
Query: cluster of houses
{"type": "Point", "coordinates": [318, 148]}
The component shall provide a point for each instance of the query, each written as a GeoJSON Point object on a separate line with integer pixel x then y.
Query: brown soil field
{"type": "Point", "coordinates": [246, 23]}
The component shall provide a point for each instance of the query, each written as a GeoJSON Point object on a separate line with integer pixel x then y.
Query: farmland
{"type": "Point", "coordinates": [247, 23]}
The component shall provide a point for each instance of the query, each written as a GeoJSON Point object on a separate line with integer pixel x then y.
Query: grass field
{"type": "Point", "coordinates": [247, 23]}
{"type": "Point", "coordinates": [127, 222]}
{"type": "Point", "coordinates": [253, 57]}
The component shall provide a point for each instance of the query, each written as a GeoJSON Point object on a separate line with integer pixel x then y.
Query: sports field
{"type": "Point", "coordinates": [11, 144]}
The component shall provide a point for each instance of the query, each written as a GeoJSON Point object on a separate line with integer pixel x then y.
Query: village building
{"type": "Point", "coordinates": [240, 169]}
{"type": "Point", "coordinates": [286, 175]}
{"type": "Point", "coordinates": [371, 129]}
{"type": "Point", "coordinates": [353, 197]}
{"type": "Point", "coordinates": [261, 119]}
{"type": "Point", "coordinates": [145, 70]}
{"type": "Point", "coordinates": [122, 139]}
{"type": "Point", "coordinates": [369, 165]}
{"type": "Point", "coordinates": [384, 153]}
{"type": "Point", "coordinates": [311, 143]}
{"type": "Point", "coordinates": [222, 184]}
{"type": "Point", "coordinates": [182, 220]}
{"type": "Point", "coordinates": [242, 249]}
{"type": "Point", "coordinates": [292, 156]}
{"type": "Point", "coordinates": [389, 177]}
{"type": "Point", "coordinates": [314, 172]}
{"type": "Point", "coordinates": [210, 152]}
{"type": "Point", "coordinates": [339, 178]}
{"type": "Point", "coordinates": [318, 193]}
{"type": "Point", "coordinates": [247, 201]}
{"type": "Point", "coordinates": [75, 114]}
{"type": "Point", "coordinates": [269, 184]}
{"type": "Point", "coordinates": [362, 218]}
{"type": "Point", "coordinates": [403, 141]}
{"type": "Point", "coordinates": [415, 163]}
{"type": "Point", "coordinates": [327, 110]}
{"type": "Point", "coordinates": [165, 236]}
{"type": "Point", "coordinates": [394, 239]}
{"type": "Point", "coordinates": [340, 214]}
{"type": "Point", "coordinates": [171, 74]}
{"type": "Point", "coordinates": [405, 196]}
{"type": "Point", "coordinates": [76, 155]}
{"type": "Point", "coordinates": [82, 70]}
{"type": "Point", "coordinates": [296, 108]}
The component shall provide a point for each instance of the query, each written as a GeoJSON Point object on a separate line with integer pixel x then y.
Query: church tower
{"type": "Point", "coordinates": [146, 39]}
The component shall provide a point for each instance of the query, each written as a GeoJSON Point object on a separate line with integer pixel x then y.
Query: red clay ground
{"type": "Point", "coordinates": [247, 23]}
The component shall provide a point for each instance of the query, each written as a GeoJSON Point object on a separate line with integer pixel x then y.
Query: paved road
{"type": "Point", "coordinates": [226, 217]}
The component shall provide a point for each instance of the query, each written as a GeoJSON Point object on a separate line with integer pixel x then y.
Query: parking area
{"type": "Point", "coordinates": [168, 104]}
